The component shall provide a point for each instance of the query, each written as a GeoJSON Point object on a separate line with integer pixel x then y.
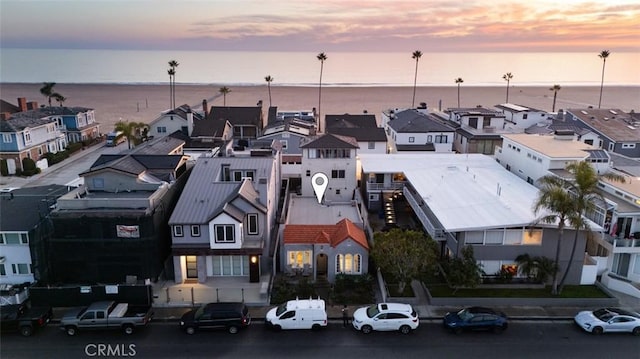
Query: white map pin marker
{"type": "Point", "coordinates": [319, 181]}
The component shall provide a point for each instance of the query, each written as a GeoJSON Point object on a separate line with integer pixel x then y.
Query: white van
{"type": "Point", "coordinates": [298, 314]}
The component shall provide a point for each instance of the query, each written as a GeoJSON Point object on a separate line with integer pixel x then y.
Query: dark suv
{"type": "Point", "coordinates": [230, 316]}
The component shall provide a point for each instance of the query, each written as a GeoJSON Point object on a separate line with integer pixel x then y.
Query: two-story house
{"type": "Point", "coordinates": [521, 116]}
{"type": "Point", "coordinates": [78, 123]}
{"type": "Point", "coordinates": [618, 131]}
{"type": "Point", "coordinates": [24, 229]}
{"type": "Point", "coordinates": [181, 118]}
{"type": "Point", "coordinates": [478, 129]}
{"type": "Point", "coordinates": [469, 199]}
{"type": "Point", "coordinates": [533, 156]}
{"type": "Point", "coordinates": [225, 219]}
{"type": "Point", "coordinates": [364, 128]}
{"type": "Point", "coordinates": [335, 157]}
{"type": "Point", "coordinates": [29, 134]}
{"type": "Point", "coordinates": [416, 130]}
{"type": "Point", "coordinates": [246, 122]}
{"type": "Point", "coordinates": [115, 226]}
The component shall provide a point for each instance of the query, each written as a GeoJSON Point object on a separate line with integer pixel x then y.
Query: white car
{"type": "Point", "coordinates": [609, 320]}
{"type": "Point", "coordinates": [386, 317]}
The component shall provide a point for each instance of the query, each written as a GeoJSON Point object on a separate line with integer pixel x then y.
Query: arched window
{"type": "Point", "coordinates": [357, 261]}
{"type": "Point", "coordinates": [339, 259]}
{"type": "Point", "coordinates": [348, 263]}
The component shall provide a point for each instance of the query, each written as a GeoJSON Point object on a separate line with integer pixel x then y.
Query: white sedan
{"type": "Point", "coordinates": [609, 320]}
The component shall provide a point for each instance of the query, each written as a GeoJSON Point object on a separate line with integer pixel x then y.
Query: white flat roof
{"type": "Point", "coordinates": [465, 191]}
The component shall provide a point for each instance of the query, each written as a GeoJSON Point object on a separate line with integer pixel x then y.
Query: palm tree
{"type": "Point", "coordinates": [507, 77]}
{"type": "Point", "coordinates": [459, 80]}
{"type": "Point", "coordinates": [173, 64]}
{"type": "Point", "coordinates": [269, 80]}
{"type": "Point", "coordinates": [583, 186]}
{"type": "Point", "coordinates": [555, 88]}
{"type": "Point", "coordinates": [59, 98]}
{"type": "Point", "coordinates": [560, 209]}
{"type": "Point", "coordinates": [321, 57]}
{"type": "Point", "coordinates": [416, 55]}
{"type": "Point", "coordinates": [603, 55]}
{"type": "Point", "coordinates": [131, 130]}
{"type": "Point", "coordinates": [224, 91]}
{"type": "Point", "coordinates": [47, 90]}
{"type": "Point", "coordinates": [171, 73]}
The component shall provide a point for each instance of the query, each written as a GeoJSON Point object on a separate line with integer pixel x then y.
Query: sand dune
{"type": "Point", "coordinates": [143, 103]}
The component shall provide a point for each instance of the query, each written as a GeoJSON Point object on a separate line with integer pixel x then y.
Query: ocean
{"type": "Point", "coordinates": [351, 69]}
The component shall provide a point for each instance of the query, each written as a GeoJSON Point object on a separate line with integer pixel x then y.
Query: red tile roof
{"type": "Point", "coordinates": [324, 233]}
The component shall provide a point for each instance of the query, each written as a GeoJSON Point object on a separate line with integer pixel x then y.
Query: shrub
{"type": "Point", "coordinates": [353, 289]}
{"type": "Point", "coordinates": [4, 169]}
{"type": "Point", "coordinates": [29, 167]}
{"type": "Point", "coordinates": [73, 147]}
{"type": "Point", "coordinates": [54, 158]}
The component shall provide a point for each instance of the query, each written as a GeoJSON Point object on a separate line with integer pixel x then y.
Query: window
{"type": "Point", "coordinates": [230, 265]}
{"type": "Point", "coordinates": [98, 183]}
{"type": "Point", "coordinates": [349, 263]}
{"type": "Point", "coordinates": [21, 268]}
{"type": "Point", "coordinates": [337, 192]}
{"type": "Point", "coordinates": [429, 138]}
{"type": "Point", "coordinates": [177, 231]}
{"type": "Point", "coordinates": [27, 137]}
{"type": "Point", "coordinates": [441, 139]}
{"type": "Point", "coordinates": [412, 139]}
{"type": "Point", "coordinates": [337, 174]}
{"type": "Point", "coordinates": [6, 138]}
{"type": "Point", "coordinates": [298, 259]}
{"type": "Point", "coordinates": [308, 173]}
{"type": "Point", "coordinates": [195, 231]}
{"type": "Point", "coordinates": [89, 316]}
{"type": "Point", "coordinates": [162, 129]}
{"type": "Point", "coordinates": [3, 270]}
{"type": "Point", "coordinates": [628, 145]}
{"type": "Point", "coordinates": [486, 122]}
{"type": "Point", "coordinates": [473, 122]}
{"type": "Point", "coordinates": [252, 223]}
{"type": "Point", "coordinates": [100, 315]}
{"type": "Point", "coordinates": [371, 145]}
{"type": "Point", "coordinates": [224, 233]}
{"type": "Point", "coordinates": [24, 238]}
{"type": "Point", "coordinates": [589, 142]}
{"type": "Point", "coordinates": [374, 197]}
{"type": "Point", "coordinates": [14, 238]}
{"type": "Point", "coordinates": [284, 144]}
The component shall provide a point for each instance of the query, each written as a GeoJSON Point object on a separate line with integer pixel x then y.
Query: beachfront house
{"type": "Point", "coordinates": [521, 117]}
{"type": "Point", "coordinates": [114, 227]}
{"type": "Point", "coordinates": [478, 129]}
{"type": "Point", "coordinates": [320, 252]}
{"type": "Point", "coordinates": [618, 131]}
{"type": "Point", "coordinates": [469, 199]}
{"type": "Point", "coordinates": [417, 130]}
{"type": "Point", "coordinates": [225, 218]}
{"type": "Point", "coordinates": [246, 122]}
{"type": "Point", "coordinates": [335, 157]}
{"type": "Point", "coordinates": [23, 233]}
{"type": "Point", "coordinates": [533, 156]}
{"type": "Point", "coordinates": [181, 118]}
{"type": "Point", "coordinates": [30, 134]}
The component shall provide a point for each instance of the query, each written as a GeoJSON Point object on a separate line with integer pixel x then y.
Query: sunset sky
{"type": "Point", "coordinates": [323, 25]}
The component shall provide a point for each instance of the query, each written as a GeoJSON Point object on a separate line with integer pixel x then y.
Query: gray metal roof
{"type": "Point", "coordinates": [329, 140]}
{"type": "Point", "coordinates": [134, 164]}
{"type": "Point", "coordinates": [412, 121]}
{"type": "Point", "coordinates": [350, 121]}
{"type": "Point", "coordinates": [203, 199]}
{"type": "Point", "coordinates": [376, 134]}
{"type": "Point", "coordinates": [158, 146]}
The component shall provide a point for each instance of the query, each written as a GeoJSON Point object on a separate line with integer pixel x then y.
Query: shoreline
{"type": "Point", "coordinates": [145, 102]}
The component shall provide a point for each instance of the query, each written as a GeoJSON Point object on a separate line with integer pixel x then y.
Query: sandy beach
{"type": "Point", "coordinates": [143, 103]}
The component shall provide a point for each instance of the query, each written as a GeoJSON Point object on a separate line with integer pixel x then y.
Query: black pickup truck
{"type": "Point", "coordinates": [24, 319]}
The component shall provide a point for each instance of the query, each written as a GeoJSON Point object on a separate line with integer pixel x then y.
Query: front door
{"type": "Point", "coordinates": [321, 264]}
{"type": "Point", "coordinates": [192, 267]}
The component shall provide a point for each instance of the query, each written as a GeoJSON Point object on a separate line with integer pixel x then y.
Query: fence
{"type": "Point", "coordinates": [193, 295]}
{"type": "Point", "coordinates": [73, 296]}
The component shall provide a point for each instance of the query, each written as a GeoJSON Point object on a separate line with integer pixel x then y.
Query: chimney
{"type": "Point", "coordinates": [5, 116]}
{"type": "Point", "coordinates": [189, 122]}
{"type": "Point", "coordinates": [205, 109]}
{"type": "Point", "coordinates": [22, 104]}
{"type": "Point", "coordinates": [32, 105]}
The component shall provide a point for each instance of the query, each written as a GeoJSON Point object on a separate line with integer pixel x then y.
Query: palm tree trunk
{"type": "Point", "coordinates": [555, 94]}
{"type": "Point", "coordinates": [458, 95]}
{"type": "Point", "coordinates": [320, 97]}
{"type": "Point", "coordinates": [566, 271]}
{"type": "Point", "coordinates": [604, 61]}
{"type": "Point", "coordinates": [415, 81]}
{"type": "Point", "coordinates": [554, 287]}
{"type": "Point", "coordinates": [269, 85]}
{"type": "Point", "coordinates": [507, 91]}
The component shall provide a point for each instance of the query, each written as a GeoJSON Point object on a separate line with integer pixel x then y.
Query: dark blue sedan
{"type": "Point", "coordinates": [475, 318]}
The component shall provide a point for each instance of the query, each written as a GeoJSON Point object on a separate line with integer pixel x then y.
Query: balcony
{"type": "Point", "coordinates": [622, 245]}
{"type": "Point", "coordinates": [377, 187]}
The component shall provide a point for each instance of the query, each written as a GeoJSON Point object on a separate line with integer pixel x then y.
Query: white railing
{"type": "Point", "coordinates": [421, 211]}
{"type": "Point", "coordinates": [393, 186]}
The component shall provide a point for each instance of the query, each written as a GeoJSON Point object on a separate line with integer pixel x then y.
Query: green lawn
{"type": "Point", "coordinates": [569, 291]}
